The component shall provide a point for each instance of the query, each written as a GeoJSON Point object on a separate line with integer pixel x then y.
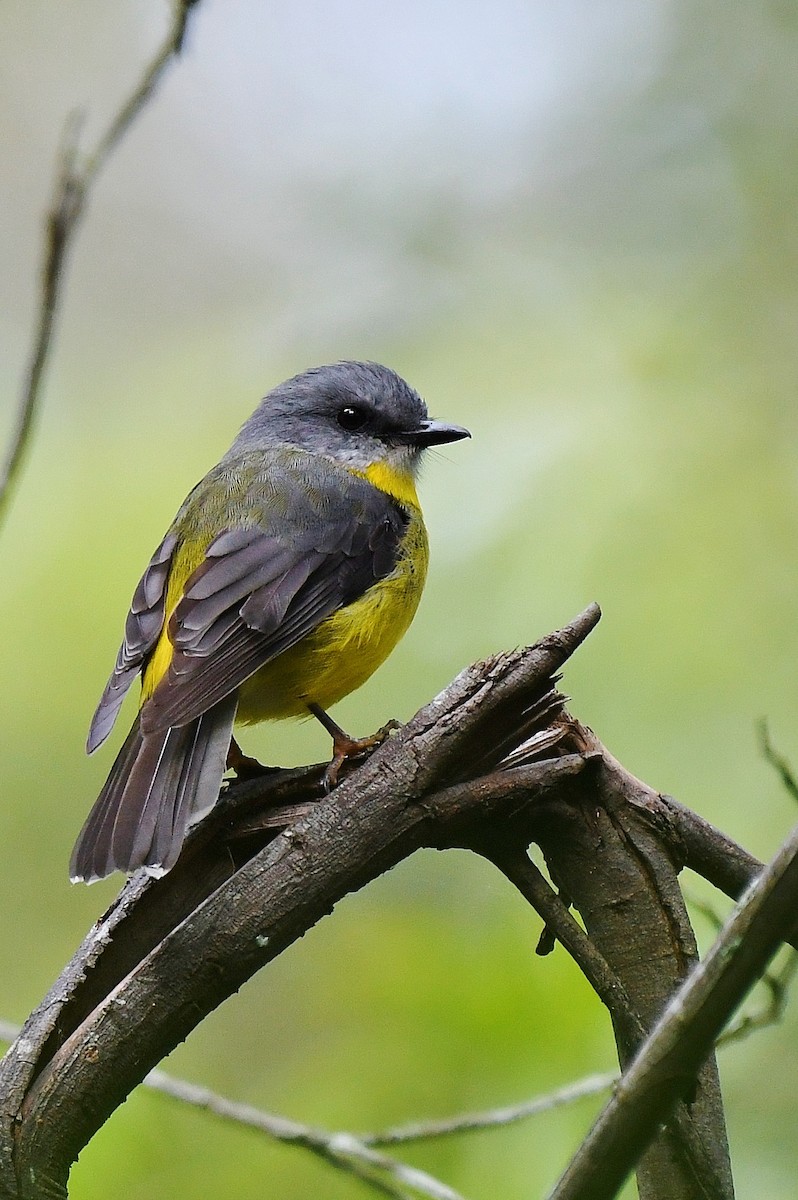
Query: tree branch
{"type": "Point", "coordinates": [72, 189]}
{"type": "Point", "coordinates": [610, 847]}
{"type": "Point", "coordinates": [522, 872]}
{"type": "Point", "coordinates": [170, 950]}
{"type": "Point", "coordinates": [665, 1066]}
{"type": "Point", "coordinates": [273, 858]}
{"type": "Point", "coordinates": [354, 1153]}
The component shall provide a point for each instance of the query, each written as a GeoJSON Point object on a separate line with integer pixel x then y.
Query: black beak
{"type": "Point", "coordinates": [432, 433]}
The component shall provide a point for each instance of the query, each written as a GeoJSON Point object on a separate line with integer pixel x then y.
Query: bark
{"type": "Point", "coordinates": [635, 915]}
{"type": "Point", "coordinates": [491, 764]}
{"type": "Point", "coordinates": [664, 1069]}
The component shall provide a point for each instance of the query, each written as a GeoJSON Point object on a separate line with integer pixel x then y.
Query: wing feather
{"type": "Point", "coordinates": [227, 626]}
{"type": "Point", "coordinates": [142, 630]}
{"type": "Point", "coordinates": [297, 539]}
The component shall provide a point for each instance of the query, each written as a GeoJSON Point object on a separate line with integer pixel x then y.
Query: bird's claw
{"type": "Point", "coordinates": [346, 748]}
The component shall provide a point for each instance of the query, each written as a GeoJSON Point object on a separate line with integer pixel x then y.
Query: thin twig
{"type": "Point", "coordinates": [286, 1130]}
{"type": "Point", "coordinates": [75, 179]}
{"type": "Point", "coordinates": [493, 1118]}
{"type": "Point", "coordinates": [343, 1150]}
{"type": "Point", "coordinates": [778, 985]}
{"type": "Point", "coordinates": [519, 868]}
{"type": "Point", "coordinates": [777, 761]}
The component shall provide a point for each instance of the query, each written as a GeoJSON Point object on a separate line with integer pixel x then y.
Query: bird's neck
{"type": "Point", "coordinates": [399, 484]}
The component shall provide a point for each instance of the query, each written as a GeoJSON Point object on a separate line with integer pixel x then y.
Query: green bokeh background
{"type": "Point", "coordinates": [575, 230]}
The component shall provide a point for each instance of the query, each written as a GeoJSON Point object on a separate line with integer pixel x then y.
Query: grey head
{"type": "Point", "coordinates": [357, 413]}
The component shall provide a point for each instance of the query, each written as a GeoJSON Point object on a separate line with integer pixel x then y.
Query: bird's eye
{"type": "Point", "coordinates": [352, 417]}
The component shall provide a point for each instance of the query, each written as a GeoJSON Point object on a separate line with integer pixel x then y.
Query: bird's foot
{"type": "Point", "coordinates": [346, 747]}
{"type": "Point", "coordinates": [244, 766]}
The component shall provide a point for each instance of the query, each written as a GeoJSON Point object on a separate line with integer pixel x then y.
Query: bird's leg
{"type": "Point", "coordinates": [244, 766]}
{"type": "Point", "coordinates": [344, 746]}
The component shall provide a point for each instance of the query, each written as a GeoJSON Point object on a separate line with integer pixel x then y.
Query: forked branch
{"type": "Point", "coordinates": [171, 950]}
{"type": "Point", "coordinates": [492, 764]}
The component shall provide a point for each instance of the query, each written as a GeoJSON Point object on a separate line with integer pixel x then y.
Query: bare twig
{"type": "Point", "coordinates": [522, 872]}
{"type": "Point", "coordinates": [416, 1131]}
{"type": "Point", "coordinates": [777, 761]}
{"type": "Point", "coordinates": [343, 1150]}
{"type": "Point", "coordinates": [493, 1118]}
{"type": "Point", "coordinates": [778, 985]}
{"type": "Point", "coordinates": [665, 1067]}
{"type": "Point", "coordinates": [75, 179]}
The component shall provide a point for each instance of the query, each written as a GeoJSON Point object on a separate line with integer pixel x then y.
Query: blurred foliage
{"type": "Point", "coordinates": [575, 230]}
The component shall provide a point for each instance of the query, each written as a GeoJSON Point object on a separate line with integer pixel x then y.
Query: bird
{"type": "Point", "coordinates": [288, 575]}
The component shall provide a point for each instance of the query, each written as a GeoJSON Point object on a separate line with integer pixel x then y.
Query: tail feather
{"type": "Point", "coordinates": [159, 784]}
{"type": "Point", "coordinates": [156, 835]}
{"type": "Point", "coordinates": [148, 797]}
{"type": "Point", "coordinates": [90, 856]}
{"type": "Point", "coordinates": [197, 788]}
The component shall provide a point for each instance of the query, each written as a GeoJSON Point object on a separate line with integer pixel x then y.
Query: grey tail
{"type": "Point", "coordinates": [160, 784]}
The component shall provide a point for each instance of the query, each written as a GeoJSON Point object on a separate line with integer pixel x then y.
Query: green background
{"type": "Point", "coordinates": [573, 227]}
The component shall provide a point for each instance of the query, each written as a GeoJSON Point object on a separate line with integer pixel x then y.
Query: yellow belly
{"type": "Point", "coordinates": [341, 654]}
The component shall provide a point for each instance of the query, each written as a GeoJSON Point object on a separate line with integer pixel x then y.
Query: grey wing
{"type": "Point", "coordinates": [142, 630]}
{"type": "Point", "coordinates": [257, 593]}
